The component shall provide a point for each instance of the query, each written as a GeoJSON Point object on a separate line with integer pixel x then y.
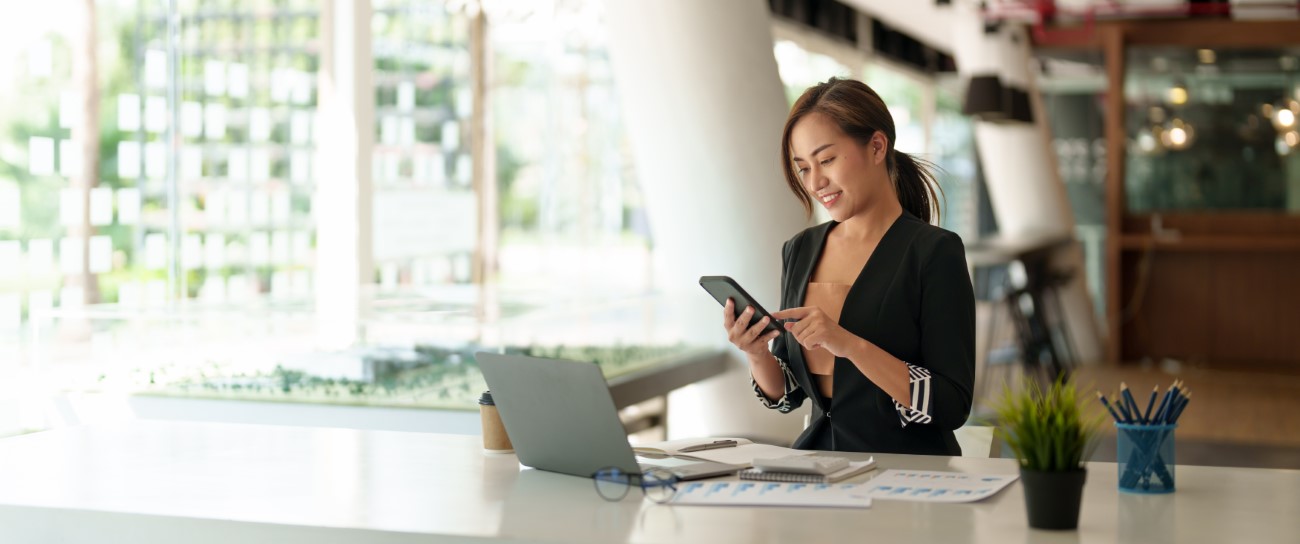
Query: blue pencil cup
{"type": "Point", "coordinates": [1146, 458]}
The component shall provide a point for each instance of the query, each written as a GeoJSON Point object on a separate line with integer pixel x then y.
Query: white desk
{"type": "Point", "coordinates": [146, 482]}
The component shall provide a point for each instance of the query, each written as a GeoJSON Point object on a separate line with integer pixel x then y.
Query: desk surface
{"type": "Point", "coordinates": [147, 482]}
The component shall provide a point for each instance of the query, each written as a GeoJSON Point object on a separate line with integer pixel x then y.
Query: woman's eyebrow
{"type": "Point", "coordinates": [816, 151]}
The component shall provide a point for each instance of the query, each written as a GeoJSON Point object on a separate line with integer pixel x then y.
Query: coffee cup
{"type": "Point", "coordinates": [495, 439]}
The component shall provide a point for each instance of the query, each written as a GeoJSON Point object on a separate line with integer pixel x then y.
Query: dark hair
{"type": "Point", "coordinates": [860, 112]}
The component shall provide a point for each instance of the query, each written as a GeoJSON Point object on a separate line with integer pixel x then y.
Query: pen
{"type": "Point", "coordinates": [710, 446]}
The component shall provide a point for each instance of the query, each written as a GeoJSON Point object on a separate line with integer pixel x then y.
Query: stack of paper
{"type": "Point", "coordinates": [732, 451]}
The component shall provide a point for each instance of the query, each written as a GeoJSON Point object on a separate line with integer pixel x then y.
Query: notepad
{"type": "Point", "coordinates": [742, 453]}
{"type": "Point", "coordinates": [854, 469]}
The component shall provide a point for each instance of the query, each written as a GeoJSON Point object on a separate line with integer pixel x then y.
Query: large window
{"type": "Point", "coordinates": [571, 211]}
{"type": "Point", "coordinates": [161, 169]}
{"type": "Point", "coordinates": [127, 181]}
{"type": "Point", "coordinates": [425, 222]}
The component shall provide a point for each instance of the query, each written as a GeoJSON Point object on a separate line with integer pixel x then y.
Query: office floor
{"type": "Point", "coordinates": [1247, 417]}
{"type": "Point", "coordinates": [1235, 418]}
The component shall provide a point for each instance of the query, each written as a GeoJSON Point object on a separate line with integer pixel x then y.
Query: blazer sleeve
{"type": "Point", "coordinates": [942, 381]}
{"type": "Point", "coordinates": [793, 396]}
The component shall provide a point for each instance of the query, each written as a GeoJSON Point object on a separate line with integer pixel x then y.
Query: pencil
{"type": "Point", "coordinates": [1179, 411]}
{"type": "Point", "coordinates": [1119, 405]}
{"type": "Point", "coordinates": [1171, 396]}
{"type": "Point", "coordinates": [1106, 403]}
{"type": "Point", "coordinates": [1164, 402]}
{"type": "Point", "coordinates": [1146, 416]}
{"type": "Point", "coordinates": [1128, 400]}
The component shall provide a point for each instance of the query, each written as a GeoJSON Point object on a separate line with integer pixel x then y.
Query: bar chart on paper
{"type": "Point", "coordinates": [772, 494]}
{"type": "Point", "coordinates": [934, 486]}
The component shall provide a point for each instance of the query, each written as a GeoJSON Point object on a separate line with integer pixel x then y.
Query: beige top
{"type": "Point", "coordinates": [830, 298]}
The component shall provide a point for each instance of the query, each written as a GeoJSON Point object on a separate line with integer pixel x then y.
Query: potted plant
{"type": "Point", "coordinates": [1052, 437]}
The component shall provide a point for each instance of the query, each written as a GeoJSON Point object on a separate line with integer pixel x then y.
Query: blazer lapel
{"type": "Point", "coordinates": [805, 260]}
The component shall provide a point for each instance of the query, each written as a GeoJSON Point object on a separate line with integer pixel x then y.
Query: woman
{"type": "Point", "coordinates": [877, 303]}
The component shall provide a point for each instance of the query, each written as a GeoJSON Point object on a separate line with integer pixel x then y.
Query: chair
{"type": "Point", "coordinates": [977, 441]}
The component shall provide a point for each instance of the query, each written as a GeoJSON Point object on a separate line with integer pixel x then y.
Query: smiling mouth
{"type": "Point", "coordinates": [829, 200]}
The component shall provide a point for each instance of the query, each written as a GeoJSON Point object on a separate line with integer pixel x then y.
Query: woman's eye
{"type": "Point", "coordinates": [827, 161]}
{"type": "Point", "coordinates": [801, 171]}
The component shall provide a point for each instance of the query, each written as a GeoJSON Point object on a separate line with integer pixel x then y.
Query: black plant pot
{"type": "Point", "coordinates": [1052, 499]}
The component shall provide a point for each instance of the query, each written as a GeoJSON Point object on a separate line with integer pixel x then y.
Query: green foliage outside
{"type": "Point", "coordinates": [423, 377]}
{"type": "Point", "coordinates": [1047, 428]}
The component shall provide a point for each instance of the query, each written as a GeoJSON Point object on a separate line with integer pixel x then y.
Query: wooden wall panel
{"type": "Point", "coordinates": [1288, 297]}
{"type": "Point", "coordinates": [1171, 320]}
{"type": "Point", "coordinates": [1244, 317]}
{"type": "Point", "coordinates": [1230, 310]}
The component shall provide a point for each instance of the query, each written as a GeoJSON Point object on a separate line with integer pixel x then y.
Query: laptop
{"type": "Point", "coordinates": [560, 417]}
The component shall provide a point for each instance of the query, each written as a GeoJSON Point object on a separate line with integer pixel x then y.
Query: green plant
{"type": "Point", "coordinates": [1047, 428]}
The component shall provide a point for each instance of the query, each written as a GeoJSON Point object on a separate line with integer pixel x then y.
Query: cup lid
{"type": "Point", "coordinates": [486, 399]}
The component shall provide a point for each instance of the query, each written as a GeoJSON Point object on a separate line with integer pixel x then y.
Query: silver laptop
{"type": "Point", "coordinates": [560, 417]}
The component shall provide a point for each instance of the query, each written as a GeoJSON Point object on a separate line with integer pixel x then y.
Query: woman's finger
{"type": "Point", "coordinates": [797, 327]}
{"type": "Point", "coordinates": [728, 314]}
{"type": "Point", "coordinates": [793, 313]}
{"type": "Point", "coordinates": [742, 323]}
{"type": "Point", "coordinates": [756, 330]}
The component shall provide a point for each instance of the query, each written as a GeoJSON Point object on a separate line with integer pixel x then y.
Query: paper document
{"type": "Point", "coordinates": [771, 494]}
{"type": "Point", "coordinates": [716, 449]}
{"type": "Point", "coordinates": [934, 486]}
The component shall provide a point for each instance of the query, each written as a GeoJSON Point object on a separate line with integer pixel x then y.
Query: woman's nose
{"type": "Point", "coordinates": [816, 179]}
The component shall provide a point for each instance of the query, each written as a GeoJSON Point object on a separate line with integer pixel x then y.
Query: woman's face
{"type": "Point", "coordinates": [842, 175]}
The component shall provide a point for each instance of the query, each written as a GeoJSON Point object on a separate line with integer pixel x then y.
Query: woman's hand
{"type": "Point", "coordinates": [814, 329]}
{"type": "Point", "coordinates": [750, 340]}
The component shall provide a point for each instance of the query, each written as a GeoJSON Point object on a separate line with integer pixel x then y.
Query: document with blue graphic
{"type": "Point", "coordinates": [934, 486]}
{"type": "Point", "coordinates": [746, 493]}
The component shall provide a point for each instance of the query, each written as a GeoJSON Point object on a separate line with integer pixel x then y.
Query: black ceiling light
{"type": "Point", "coordinates": [1020, 108]}
{"type": "Point", "coordinates": [986, 98]}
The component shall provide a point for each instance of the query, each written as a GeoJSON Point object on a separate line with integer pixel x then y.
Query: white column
{"type": "Point", "coordinates": [1025, 187]}
{"type": "Point", "coordinates": [345, 138]}
{"type": "Point", "coordinates": [704, 107]}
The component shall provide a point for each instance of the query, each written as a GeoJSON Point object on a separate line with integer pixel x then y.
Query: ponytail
{"type": "Point", "coordinates": [918, 190]}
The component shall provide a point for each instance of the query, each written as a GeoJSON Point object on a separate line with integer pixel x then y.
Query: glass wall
{"type": "Point", "coordinates": [1213, 130]}
{"type": "Point", "coordinates": [1073, 96]}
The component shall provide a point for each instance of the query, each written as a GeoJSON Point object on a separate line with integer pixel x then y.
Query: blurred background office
{"type": "Point", "coordinates": [314, 212]}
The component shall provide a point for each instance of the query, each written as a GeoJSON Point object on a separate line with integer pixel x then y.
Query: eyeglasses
{"type": "Point", "coordinates": [612, 483]}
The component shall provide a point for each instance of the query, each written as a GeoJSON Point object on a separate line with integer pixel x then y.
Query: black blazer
{"type": "Point", "coordinates": [914, 300]}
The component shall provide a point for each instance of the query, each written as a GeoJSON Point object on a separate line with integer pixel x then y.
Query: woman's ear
{"type": "Point", "coordinates": [879, 147]}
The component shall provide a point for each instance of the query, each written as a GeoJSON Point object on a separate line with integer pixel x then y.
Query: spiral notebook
{"type": "Point", "coordinates": [854, 469]}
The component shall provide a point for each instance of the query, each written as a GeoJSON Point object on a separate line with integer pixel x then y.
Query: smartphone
{"type": "Point", "coordinates": [723, 288]}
